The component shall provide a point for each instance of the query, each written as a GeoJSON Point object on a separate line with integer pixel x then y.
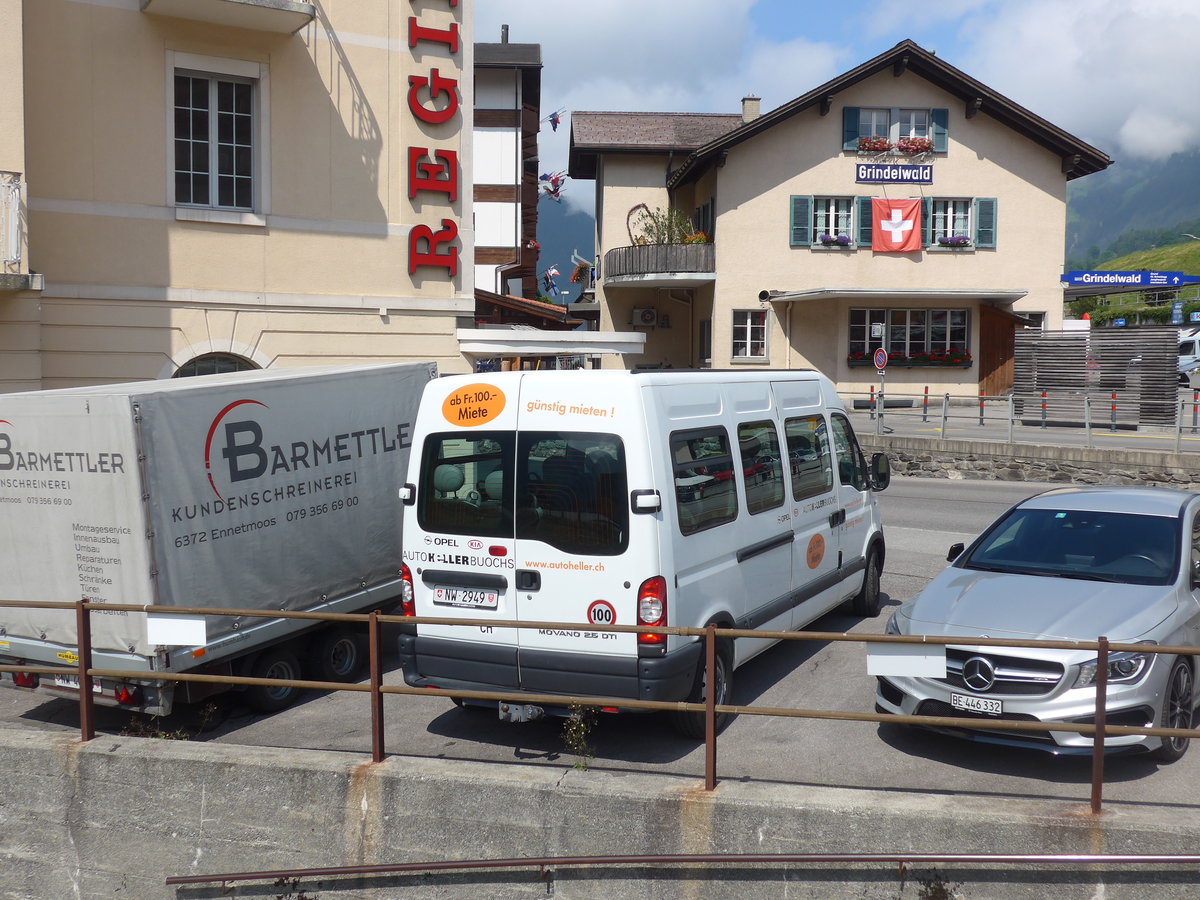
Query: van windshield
{"type": "Point", "coordinates": [567, 489]}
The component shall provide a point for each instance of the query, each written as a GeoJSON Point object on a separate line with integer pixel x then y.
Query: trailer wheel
{"type": "Point", "coordinates": [275, 662]}
{"type": "Point", "coordinates": [337, 654]}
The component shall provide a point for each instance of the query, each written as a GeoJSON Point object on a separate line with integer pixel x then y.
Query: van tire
{"type": "Point", "coordinates": [866, 602]}
{"type": "Point", "coordinates": [691, 724]}
{"type": "Point", "coordinates": [274, 662]}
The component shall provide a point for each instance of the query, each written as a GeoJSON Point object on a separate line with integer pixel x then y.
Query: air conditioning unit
{"type": "Point", "coordinates": [644, 317]}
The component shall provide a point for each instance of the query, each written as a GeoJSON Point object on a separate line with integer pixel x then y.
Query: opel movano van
{"type": "Point", "coordinates": [593, 498]}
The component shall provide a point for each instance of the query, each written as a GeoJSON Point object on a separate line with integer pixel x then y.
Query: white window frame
{"type": "Point", "coordinates": [745, 323]}
{"type": "Point", "coordinates": [949, 216]}
{"type": "Point", "coordinates": [216, 67]}
{"type": "Point", "coordinates": [826, 208]}
{"type": "Point", "coordinates": [913, 123]}
{"type": "Point", "coordinates": [877, 116]}
{"type": "Point", "coordinates": [860, 339]}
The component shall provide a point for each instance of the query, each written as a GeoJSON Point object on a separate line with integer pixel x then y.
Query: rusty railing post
{"type": "Point", "coordinates": [1098, 737]}
{"type": "Point", "coordinates": [87, 707]}
{"type": "Point", "coordinates": [375, 640]}
{"type": "Point", "coordinates": [710, 708]}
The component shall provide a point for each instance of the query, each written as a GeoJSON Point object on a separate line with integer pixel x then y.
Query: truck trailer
{"type": "Point", "coordinates": [264, 490]}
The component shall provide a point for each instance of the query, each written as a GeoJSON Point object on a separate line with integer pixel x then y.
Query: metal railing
{"type": "Point", "coordinates": [711, 634]}
{"type": "Point", "coordinates": [11, 191]}
{"type": "Point", "coordinates": [1092, 413]}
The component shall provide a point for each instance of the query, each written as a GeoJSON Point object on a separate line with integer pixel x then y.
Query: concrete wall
{"type": "Point", "coordinates": [119, 815]}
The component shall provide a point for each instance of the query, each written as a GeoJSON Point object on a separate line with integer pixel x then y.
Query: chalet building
{"type": "Point", "coordinates": [901, 206]}
{"type": "Point", "coordinates": [193, 186]}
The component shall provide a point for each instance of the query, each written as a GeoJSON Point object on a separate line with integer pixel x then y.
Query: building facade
{"type": "Point", "coordinates": [902, 206]}
{"type": "Point", "coordinates": [203, 185]}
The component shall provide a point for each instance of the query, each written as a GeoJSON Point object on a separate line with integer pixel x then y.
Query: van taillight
{"type": "Point", "coordinates": [408, 603]}
{"type": "Point", "coordinates": [25, 679]}
{"type": "Point", "coordinates": [652, 608]}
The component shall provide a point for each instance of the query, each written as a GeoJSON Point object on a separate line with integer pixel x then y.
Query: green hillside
{"type": "Point", "coordinates": [1183, 257]}
{"type": "Point", "coordinates": [1145, 307]}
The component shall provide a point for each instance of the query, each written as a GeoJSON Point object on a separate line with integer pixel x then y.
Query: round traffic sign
{"type": "Point", "coordinates": [601, 612]}
{"type": "Point", "coordinates": [880, 358]}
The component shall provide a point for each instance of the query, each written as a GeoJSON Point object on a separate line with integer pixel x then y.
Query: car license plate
{"type": "Point", "coordinates": [976, 704]}
{"type": "Point", "coordinates": [72, 681]}
{"type": "Point", "coordinates": [465, 597]}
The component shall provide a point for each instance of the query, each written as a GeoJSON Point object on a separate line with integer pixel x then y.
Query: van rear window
{"type": "Point", "coordinates": [566, 489]}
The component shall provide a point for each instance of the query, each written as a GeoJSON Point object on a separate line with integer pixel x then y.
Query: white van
{"type": "Point", "coordinates": [1189, 354]}
{"type": "Point", "coordinates": [638, 498]}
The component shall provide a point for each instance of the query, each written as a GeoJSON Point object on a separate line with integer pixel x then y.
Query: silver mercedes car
{"type": "Point", "coordinates": [1069, 564]}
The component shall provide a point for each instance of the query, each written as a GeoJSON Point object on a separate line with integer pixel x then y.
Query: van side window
{"type": "Point", "coordinates": [762, 466]}
{"type": "Point", "coordinates": [852, 467]}
{"type": "Point", "coordinates": [703, 471]}
{"type": "Point", "coordinates": [808, 456]}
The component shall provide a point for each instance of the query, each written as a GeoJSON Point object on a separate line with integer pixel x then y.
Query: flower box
{"type": "Point", "coordinates": [874, 144]}
{"type": "Point", "coordinates": [835, 240]}
{"type": "Point", "coordinates": [954, 240]}
{"type": "Point", "coordinates": [912, 146]}
{"type": "Point", "coordinates": [909, 364]}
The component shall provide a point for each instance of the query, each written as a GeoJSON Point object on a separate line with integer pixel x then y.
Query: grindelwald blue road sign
{"type": "Point", "coordinates": [1129, 279]}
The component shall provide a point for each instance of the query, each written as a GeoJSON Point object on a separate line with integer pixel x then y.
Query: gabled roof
{"type": "Point", "coordinates": [1079, 158]}
{"type": "Point", "coordinates": [548, 312]}
{"type": "Point", "coordinates": [593, 133]}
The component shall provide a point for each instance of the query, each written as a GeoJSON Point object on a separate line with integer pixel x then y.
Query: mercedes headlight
{"type": "Point", "coordinates": [1123, 668]}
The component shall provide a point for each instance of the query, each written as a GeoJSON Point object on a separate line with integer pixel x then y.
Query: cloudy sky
{"type": "Point", "coordinates": [1123, 75]}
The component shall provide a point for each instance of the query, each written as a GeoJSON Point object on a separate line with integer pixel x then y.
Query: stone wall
{"type": "Point", "coordinates": [984, 460]}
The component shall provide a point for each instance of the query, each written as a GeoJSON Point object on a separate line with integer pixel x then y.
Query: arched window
{"type": "Point", "coordinates": [213, 364]}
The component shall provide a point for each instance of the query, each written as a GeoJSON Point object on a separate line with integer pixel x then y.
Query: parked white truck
{"type": "Point", "coordinates": [265, 490]}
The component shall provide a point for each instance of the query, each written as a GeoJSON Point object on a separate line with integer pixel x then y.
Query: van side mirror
{"type": "Point", "coordinates": [881, 472]}
{"type": "Point", "coordinates": [955, 552]}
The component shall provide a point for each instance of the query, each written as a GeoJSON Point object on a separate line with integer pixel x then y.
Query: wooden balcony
{"type": "Point", "coordinates": [660, 265]}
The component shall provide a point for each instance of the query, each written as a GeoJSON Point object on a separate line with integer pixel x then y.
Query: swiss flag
{"type": "Point", "coordinates": [896, 225]}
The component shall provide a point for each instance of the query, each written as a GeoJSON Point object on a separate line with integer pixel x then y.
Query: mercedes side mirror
{"type": "Point", "coordinates": [955, 552]}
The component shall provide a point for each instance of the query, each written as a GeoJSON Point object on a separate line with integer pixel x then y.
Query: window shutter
{"type": "Point", "coordinates": [926, 221]}
{"type": "Point", "coordinates": [939, 120]}
{"type": "Point", "coordinates": [984, 214]}
{"type": "Point", "coordinates": [864, 221]}
{"type": "Point", "coordinates": [850, 128]}
{"type": "Point", "coordinates": [801, 221]}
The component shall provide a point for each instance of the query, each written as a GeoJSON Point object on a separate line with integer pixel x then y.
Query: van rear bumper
{"type": "Point", "coordinates": [472, 666]}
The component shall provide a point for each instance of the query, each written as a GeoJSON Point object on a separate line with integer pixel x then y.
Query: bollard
{"type": "Point", "coordinates": [925, 406]}
{"type": "Point", "coordinates": [981, 409]}
{"type": "Point", "coordinates": [1195, 406]}
{"type": "Point", "coordinates": [1113, 421]}
{"type": "Point", "coordinates": [1043, 409]}
{"type": "Point", "coordinates": [1087, 418]}
{"type": "Point", "coordinates": [872, 404]}
{"type": "Point", "coordinates": [945, 411]}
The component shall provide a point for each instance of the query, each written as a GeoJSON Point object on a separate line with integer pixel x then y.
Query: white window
{"type": "Point", "coordinates": [914, 123]}
{"type": "Point", "coordinates": [874, 122]}
{"type": "Point", "coordinates": [217, 135]}
{"type": "Point", "coordinates": [749, 334]}
{"type": "Point", "coordinates": [912, 334]}
{"type": "Point", "coordinates": [950, 218]}
{"type": "Point", "coordinates": [833, 217]}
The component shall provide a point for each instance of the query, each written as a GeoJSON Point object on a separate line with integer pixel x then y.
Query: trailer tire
{"type": "Point", "coordinates": [275, 662]}
{"type": "Point", "coordinates": [337, 654]}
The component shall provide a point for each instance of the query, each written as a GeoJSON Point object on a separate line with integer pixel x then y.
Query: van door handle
{"type": "Point", "coordinates": [529, 580]}
{"type": "Point", "coordinates": [837, 518]}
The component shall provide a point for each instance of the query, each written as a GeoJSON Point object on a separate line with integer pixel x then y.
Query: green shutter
{"type": "Point", "coordinates": [926, 221]}
{"type": "Point", "coordinates": [984, 214]}
{"type": "Point", "coordinates": [940, 123]}
{"type": "Point", "coordinates": [864, 221]}
{"type": "Point", "coordinates": [850, 128]}
{"type": "Point", "coordinates": [801, 221]}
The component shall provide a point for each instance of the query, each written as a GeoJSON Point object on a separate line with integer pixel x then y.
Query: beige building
{"type": "Point", "coordinates": [198, 185]}
{"type": "Point", "coordinates": [808, 256]}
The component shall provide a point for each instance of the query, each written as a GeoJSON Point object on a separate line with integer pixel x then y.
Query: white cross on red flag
{"type": "Point", "coordinates": [896, 225]}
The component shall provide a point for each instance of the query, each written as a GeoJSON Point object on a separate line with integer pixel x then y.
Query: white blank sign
{"type": "Point", "coordinates": [180, 631]}
{"type": "Point", "coordinates": [906, 660]}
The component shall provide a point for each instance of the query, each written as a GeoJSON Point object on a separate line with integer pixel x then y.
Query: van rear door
{"type": "Point", "coordinates": [574, 448]}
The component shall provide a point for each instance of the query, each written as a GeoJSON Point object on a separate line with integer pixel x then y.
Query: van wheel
{"type": "Point", "coordinates": [866, 602]}
{"type": "Point", "coordinates": [691, 724]}
{"type": "Point", "coordinates": [273, 663]}
{"type": "Point", "coordinates": [337, 655]}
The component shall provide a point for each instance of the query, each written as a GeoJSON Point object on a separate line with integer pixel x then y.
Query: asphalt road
{"type": "Point", "coordinates": [922, 518]}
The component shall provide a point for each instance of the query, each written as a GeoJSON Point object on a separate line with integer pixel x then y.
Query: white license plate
{"type": "Point", "coordinates": [466, 597]}
{"type": "Point", "coordinates": [72, 681]}
{"type": "Point", "coordinates": [976, 704]}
